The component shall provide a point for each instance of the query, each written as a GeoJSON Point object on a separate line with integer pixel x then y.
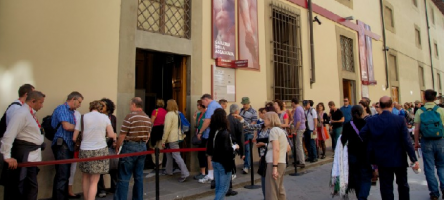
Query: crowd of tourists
{"type": "Point", "coordinates": [368, 140]}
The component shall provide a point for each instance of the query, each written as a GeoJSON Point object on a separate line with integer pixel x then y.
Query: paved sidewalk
{"type": "Point", "coordinates": [171, 189]}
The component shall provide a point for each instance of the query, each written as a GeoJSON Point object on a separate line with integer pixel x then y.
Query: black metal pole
{"type": "Point", "coordinates": [156, 153]}
{"type": "Point", "coordinates": [252, 186]}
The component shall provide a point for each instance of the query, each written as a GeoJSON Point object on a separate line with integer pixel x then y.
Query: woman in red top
{"type": "Point", "coordinates": [158, 120]}
{"type": "Point", "coordinates": [282, 113]}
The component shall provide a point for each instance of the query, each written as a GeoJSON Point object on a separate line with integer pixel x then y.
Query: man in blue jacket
{"type": "Point", "coordinates": [388, 144]}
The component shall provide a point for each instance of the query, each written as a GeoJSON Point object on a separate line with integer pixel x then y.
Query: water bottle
{"type": "Point", "coordinates": [416, 171]}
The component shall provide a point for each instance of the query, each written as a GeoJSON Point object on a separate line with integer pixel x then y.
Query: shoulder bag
{"type": "Point", "coordinates": [79, 139]}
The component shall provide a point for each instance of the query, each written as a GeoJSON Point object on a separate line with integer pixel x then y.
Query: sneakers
{"type": "Point", "coordinates": [233, 176]}
{"type": "Point", "coordinates": [245, 171]}
{"type": "Point", "coordinates": [175, 171]}
{"type": "Point", "coordinates": [205, 179]}
{"type": "Point", "coordinates": [199, 176]}
{"type": "Point", "coordinates": [102, 194]}
{"type": "Point", "coordinates": [182, 179]}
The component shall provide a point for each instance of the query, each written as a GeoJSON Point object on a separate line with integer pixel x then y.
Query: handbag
{"type": "Point", "coordinates": [113, 162]}
{"type": "Point", "coordinates": [195, 140]}
{"type": "Point", "coordinates": [78, 140]}
{"type": "Point", "coordinates": [262, 169]}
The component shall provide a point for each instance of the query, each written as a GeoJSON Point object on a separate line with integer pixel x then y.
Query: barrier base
{"type": "Point", "coordinates": [252, 186]}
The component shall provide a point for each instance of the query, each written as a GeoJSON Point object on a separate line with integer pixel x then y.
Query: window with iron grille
{"type": "Point", "coordinates": [348, 63]}
{"type": "Point", "coordinates": [287, 53]}
{"type": "Point", "coordinates": [169, 17]}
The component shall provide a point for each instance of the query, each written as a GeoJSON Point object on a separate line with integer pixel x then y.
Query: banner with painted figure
{"type": "Point", "coordinates": [224, 36]}
{"type": "Point", "coordinates": [248, 33]}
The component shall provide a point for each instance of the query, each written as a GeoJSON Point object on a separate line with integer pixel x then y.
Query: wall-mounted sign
{"type": "Point", "coordinates": [224, 36]}
{"type": "Point", "coordinates": [248, 33]}
{"type": "Point", "coordinates": [223, 83]}
{"type": "Point", "coordinates": [231, 63]}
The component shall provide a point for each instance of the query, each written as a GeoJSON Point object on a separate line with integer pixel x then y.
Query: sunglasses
{"type": "Point", "coordinates": [376, 106]}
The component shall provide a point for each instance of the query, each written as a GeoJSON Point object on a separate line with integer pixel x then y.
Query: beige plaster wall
{"type": "Point", "coordinates": [59, 47]}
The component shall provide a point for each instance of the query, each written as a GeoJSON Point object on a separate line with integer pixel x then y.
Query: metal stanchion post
{"type": "Point", "coordinates": [252, 186]}
{"type": "Point", "coordinates": [156, 154]}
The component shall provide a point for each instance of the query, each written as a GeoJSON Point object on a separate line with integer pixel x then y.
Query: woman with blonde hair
{"type": "Point", "coordinates": [158, 119]}
{"type": "Point", "coordinates": [172, 134]}
{"type": "Point", "coordinates": [95, 126]}
{"type": "Point", "coordinates": [276, 158]}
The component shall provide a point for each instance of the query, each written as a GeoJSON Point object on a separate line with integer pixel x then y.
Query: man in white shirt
{"type": "Point", "coordinates": [309, 134]}
{"type": "Point", "coordinates": [22, 142]}
{"type": "Point", "coordinates": [14, 106]}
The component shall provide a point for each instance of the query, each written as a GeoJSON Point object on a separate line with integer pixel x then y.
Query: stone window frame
{"type": "Point", "coordinates": [419, 42]}
{"type": "Point", "coordinates": [415, 3]}
{"type": "Point", "coordinates": [343, 74]}
{"type": "Point", "coordinates": [432, 13]}
{"type": "Point", "coordinates": [391, 28]}
{"type": "Point", "coordinates": [436, 49]}
{"type": "Point", "coordinates": [347, 3]}
{"type": "Point", "coordinates": [394, 83]}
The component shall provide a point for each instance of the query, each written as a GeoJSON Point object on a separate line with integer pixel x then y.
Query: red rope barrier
{"type": "Point", "coordinates": [67, 161]}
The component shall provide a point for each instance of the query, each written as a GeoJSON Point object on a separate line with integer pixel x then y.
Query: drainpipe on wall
{"type": "Point", "coordinates": [312, 56]}
{"type": "Point", "coordinates": [384, 38]}
{"type": "Point", "coordinates": [430, 43]}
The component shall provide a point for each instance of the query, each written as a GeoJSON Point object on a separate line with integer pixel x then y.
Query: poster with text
{"type": "Point", "coordinates": [224, 36]}
{"type": "Point", "coordinates": [248, 33]}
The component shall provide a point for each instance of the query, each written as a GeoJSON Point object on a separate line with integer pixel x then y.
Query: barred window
{"type": "Point", "coordinates": [169, 17]}
{"type": "Point", "coordinates": [348, 62]}
{"type": "Point", "coordinates": [287, 53]}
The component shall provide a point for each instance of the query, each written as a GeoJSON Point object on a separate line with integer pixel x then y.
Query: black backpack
{"type": "Point", "coordinates": [3, 120]}
{"type": "Point", "coordinates": [47, 127]}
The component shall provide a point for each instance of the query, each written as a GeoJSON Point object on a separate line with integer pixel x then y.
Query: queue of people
{"type": "Point", "coordinates": [375, 136]}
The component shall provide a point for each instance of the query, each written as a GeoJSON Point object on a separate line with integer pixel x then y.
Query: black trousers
{"type": "Point", "coordinates": [386, 177]}
{"type": "Point", "coordinates": [26, 189]}
{"type": "Point", "coordinates": [201, 155]}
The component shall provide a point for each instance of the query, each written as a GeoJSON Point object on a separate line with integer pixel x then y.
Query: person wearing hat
{"type": "Point", "coordinates": [250, 115]}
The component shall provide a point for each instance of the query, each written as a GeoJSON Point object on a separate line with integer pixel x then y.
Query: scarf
{"type": "Point", "coordinates": [339, 173]}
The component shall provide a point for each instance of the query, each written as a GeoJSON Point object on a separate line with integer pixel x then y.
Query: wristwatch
{"type": "Point", "coordinates": [275, 165]}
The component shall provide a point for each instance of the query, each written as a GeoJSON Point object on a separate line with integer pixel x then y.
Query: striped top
{"type": "Point", "coordinates": [137, 126]}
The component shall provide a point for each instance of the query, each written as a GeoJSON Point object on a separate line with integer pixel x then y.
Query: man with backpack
{"type": "Point", "coordinates": [429, 123]}
{"type": "Point", "coordinates": [14, 106]}
{"type": "Point", "coordinates": [309, 134]}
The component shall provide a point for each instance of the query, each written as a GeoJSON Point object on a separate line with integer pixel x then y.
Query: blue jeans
{"type": "Point", "coordinates": [433, 156]}
{"type": "Point", "coordinates": [335, 133]}
{"type": "Point", "coordinates": [247, 150]}
{"type": "Point", "coordinates": [222, 180]}
{"type": "Point", "coordinates": [60, 185]}
{"type": "Point", "coordinates": [310, 145]}
{"type": "Point", "coordinates": [129, 166]}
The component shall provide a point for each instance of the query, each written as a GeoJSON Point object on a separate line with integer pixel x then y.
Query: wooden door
{"type": "Point", "coordinates": [395, 94]}
{"type": "Point", "coordinates": [347, 90]}
{"type": "Point", "coordinates": [179, 83]}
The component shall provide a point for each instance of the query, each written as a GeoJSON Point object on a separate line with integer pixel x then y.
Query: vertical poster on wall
{"type": "Point", "coordinates": [248, 33]}
{"type": "Point", "coordinates": [366, 55]}
{"type": "Point", "coordinates": [224, 36]}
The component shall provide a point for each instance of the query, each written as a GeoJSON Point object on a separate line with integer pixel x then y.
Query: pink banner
{"type": "Point", "coordinates": [224, 36]}
{"type": "Point", "coordinates": [248, 33]}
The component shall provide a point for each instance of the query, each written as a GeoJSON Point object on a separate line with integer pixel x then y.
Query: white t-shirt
{"type": "Point", "coordinates": [94, 132]}
{"type": "Point", "coordinates": [280, 135]}
{"type": "Point", "coordinates": [311, 117]}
